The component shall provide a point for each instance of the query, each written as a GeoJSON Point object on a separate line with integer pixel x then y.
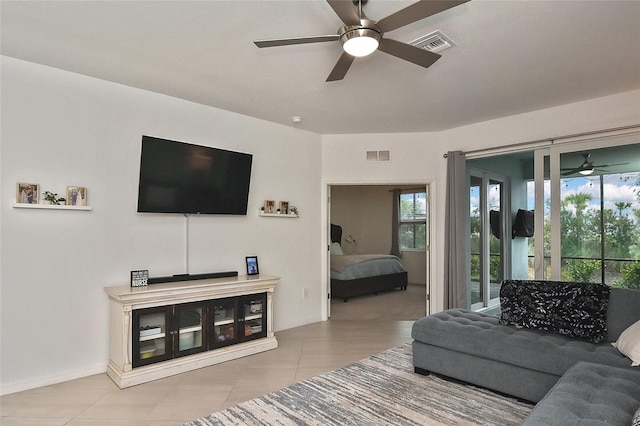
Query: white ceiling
{"type": "Point", "coordinates": [511, 57]}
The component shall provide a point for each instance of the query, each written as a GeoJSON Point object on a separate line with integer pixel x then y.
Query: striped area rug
{"type": "Point", "coordinates": [379, 390]}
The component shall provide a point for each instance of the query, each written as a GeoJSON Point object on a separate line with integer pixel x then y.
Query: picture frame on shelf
{"type": "Point", "coordinates": [76, 196]}
{"type": "Point", "coordinates": [269, 206]}
{"type": "Point", "coordinates": [284, 207]}
{"type": "Point", "coordinates": [252, 265]}
{"type": "Point", "coordinates": [27, 193]}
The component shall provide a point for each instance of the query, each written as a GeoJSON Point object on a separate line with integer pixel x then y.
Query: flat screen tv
{"type": "Point", "coordinates": [178, 177]}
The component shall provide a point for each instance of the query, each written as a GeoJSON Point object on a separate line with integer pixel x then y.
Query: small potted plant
{"type": "Point", "coordinates": [294, 210]}
{"type": "Point", "coordinates": [52, 198]}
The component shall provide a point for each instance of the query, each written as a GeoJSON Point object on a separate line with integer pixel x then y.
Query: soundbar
{"type": "Point", "coordinates": [192, 277]}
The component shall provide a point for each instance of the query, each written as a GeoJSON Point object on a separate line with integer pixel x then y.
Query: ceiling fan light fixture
{"type": "Point", "coordinates": [586, 172]}
{"type": "Point", "coordinates": [360, 42]}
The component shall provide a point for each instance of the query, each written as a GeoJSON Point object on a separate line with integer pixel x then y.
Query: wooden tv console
{"type": "Point", "coordinates": [170, 328]}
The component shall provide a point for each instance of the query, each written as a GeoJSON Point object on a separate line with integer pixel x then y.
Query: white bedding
{"type": "Point", "coordinates": [349, 267]}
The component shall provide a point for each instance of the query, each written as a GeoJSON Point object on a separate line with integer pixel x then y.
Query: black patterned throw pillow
{"type": "Point", "coordinates": [636, 418]}
{"type": "Point", "coordinates": [569, 308]}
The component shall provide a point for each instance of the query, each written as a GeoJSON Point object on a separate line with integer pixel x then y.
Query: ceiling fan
{"type": "Point", "coordinates": [361, 36]}
{"type": "Point", "coordinates": [587, 167]}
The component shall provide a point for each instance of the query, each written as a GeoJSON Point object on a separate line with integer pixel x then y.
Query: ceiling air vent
{"type": "Point", "coordinates": [433, 42]}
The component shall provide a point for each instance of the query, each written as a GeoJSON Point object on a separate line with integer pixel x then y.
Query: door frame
{"type": "Point", "coordinates": [325, 239]}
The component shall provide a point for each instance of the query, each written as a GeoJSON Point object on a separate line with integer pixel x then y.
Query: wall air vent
{"type": "Point", "coordinates": [378, 156]}
{"type": "Point", "coordinates": [433, 42]}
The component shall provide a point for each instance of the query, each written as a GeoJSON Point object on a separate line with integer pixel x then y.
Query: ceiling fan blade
{"type": "Point", "coordinates": [410, 53]}
{"type": "Point", "coordinates": [298, 40]}
{"type": "Point", "coordinates": [570, 172]}
{"type": "Point", "coordinates": [610, 165]}
{"type": "Point", "coordinates": [341, 68]}
{"type": "Point", "coordinates": [416, 12]}
{"type": "Point", "coordinates": [346, 11]}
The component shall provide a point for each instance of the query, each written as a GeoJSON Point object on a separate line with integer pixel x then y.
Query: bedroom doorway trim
{"type": "Point", "coordinates": [430, 269]}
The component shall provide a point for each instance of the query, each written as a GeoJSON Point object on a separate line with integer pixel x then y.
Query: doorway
{"type": "Point", "coordinates": [364, 211]}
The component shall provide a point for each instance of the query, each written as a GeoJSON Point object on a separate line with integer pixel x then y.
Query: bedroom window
{"type": "Point", "coordinates": [413, 220]}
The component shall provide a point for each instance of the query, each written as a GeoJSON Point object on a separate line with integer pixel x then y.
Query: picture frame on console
{"type": "Point", "coordinates": [140, 278]}
{"type": "Point", "coordinates": [252, 265]}
{"type": "Point", "coordinates": [27, 193]}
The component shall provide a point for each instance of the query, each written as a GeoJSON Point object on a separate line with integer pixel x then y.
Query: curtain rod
{"type": "Point", "coordinates": [553, 139]}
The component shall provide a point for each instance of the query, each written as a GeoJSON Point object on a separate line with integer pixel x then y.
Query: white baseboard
{"type": "Point", "coordinates": [299, 322]}
{"type": "Point", "coordinates": [23, 385]}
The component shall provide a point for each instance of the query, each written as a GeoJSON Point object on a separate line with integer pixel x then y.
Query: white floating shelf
{"type": "Point", "coordinates": [49, 207]}
{"type": "Point", "coordinates": [278, 215]}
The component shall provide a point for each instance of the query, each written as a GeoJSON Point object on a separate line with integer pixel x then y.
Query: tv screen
{"type": "Point", "coordinates": [177, 177]}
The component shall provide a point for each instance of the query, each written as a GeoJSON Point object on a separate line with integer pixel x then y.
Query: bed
{"type": "Point", "coordinates": [359, 275]}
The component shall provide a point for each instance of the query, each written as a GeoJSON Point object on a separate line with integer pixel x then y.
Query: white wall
{"type": "Point", "coordinates": [414, 160]}
{"type": "Point", "coordinates": [59, 129]}
{"type": "Point", "coordinates": [418, 157]}
{"type": "Point", "coordinates": [365, 213]}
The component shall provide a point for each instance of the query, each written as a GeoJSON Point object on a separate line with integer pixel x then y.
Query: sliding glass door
{"type": "Point", "coordinates": [586, 197]}
{"type": "Point", "coordinates": [585, 200]}
{"type": "Point", "coordinates": [489, 239]}
{"type": "Point", "coordinates": [599, 215]}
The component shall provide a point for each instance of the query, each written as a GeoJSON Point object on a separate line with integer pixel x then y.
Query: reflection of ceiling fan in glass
{"type": "Point", "coordinates": [587, 167]}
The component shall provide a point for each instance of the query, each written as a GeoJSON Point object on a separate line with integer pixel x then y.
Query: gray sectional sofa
{"type": "Point", "coordinates": [527, 363]}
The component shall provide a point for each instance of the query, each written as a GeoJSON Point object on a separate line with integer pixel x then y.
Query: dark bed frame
{"type": "Point", "coordinates": [346, 289]}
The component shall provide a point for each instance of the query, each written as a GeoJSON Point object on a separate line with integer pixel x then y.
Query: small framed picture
{"type": "Point", "coordinates": [76, 196]}
{"type": "Point", "coordinates": [252, 265]}
{"type": "Point", "coordinates": [269, 206]}
{"type": "Point", "coordinates": [284, 207]}
{"type": "Point", "coordinates": [140, 278]}
{"type": "Point", "coordinates": [27, 193]}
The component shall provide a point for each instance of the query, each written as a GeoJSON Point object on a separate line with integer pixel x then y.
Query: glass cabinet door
{"type": "Point", "coordinates": [151, 335]}
{"type": "Point", "coordinates": [255, 316]}
{"type": "Point", "coordinates": [189, 329]}
{"type": "Point", "coordinates": [225, 322]}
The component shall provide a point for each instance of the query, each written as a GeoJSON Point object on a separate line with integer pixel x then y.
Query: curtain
{"type": "Point", "coordinates": [395, 224]}
{"type": "Point", "coordinates": [455, 268]}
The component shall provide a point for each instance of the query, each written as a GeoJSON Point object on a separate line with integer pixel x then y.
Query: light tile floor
{"type": "Point", "coordinates": [303, 352]}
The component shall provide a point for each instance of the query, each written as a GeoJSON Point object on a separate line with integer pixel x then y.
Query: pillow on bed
{"type": "Point", "coordinates": [336, 249]}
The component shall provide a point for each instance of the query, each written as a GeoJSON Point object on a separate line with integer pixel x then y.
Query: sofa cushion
{"type": "Point", "coordinates": [623, 312]}
{"type": "Point", "coordinates": [573, 309]}
{"type": "Point", "coordinates": [589, 394]}
{"type": "Point", "coordinates": [629, 343]}
{"type": "Point", "coordinates": [482, 335]}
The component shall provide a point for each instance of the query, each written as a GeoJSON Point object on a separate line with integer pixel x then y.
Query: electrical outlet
{"type": "Point", "coordinates": [305, 293]}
